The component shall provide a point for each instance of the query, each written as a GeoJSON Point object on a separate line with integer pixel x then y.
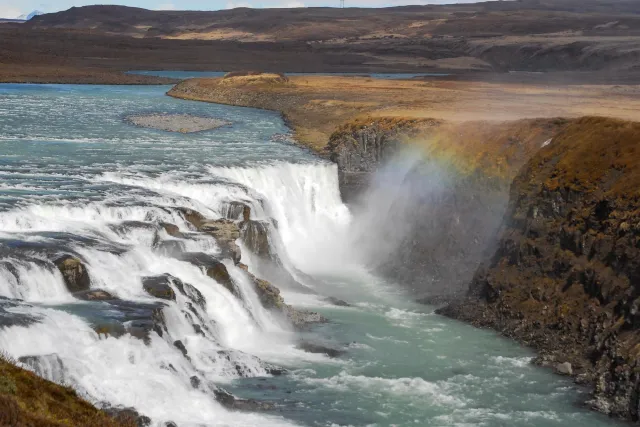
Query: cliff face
{"type": "Point", "coordinates": [566, 273]}
{"type": "Point", "coordinates": [434, 219]}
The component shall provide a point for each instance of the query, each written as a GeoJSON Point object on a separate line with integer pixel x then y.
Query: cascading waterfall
{"type": "Point", "coordinates": [117, 241]}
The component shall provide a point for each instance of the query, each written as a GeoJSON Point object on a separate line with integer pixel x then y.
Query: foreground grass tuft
{"type": "Point", "coordinates": [27, 400]}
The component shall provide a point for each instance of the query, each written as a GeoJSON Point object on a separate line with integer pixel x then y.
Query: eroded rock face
{"type": "Point", "coordinates": [255, 236]}
{"type": "Point", "coordinates": [565, 277]}
{"type": "Point", "coordinates": [159, 286]}
{"type": "Point", "coordinates": [74, 273]}
{"type": "Point", "coordinates": [238, 211]}
{"type": "Point", "coordinates": [226, 232]}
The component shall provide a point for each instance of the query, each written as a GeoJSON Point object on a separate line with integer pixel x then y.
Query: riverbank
{"type": "Point", "coordinates": [315, 106]}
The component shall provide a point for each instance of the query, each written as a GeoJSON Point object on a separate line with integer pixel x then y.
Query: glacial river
{"type": "Point", "coordinates": [75, 178]}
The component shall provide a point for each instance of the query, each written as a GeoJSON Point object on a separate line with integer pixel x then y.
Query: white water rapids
{"type": "Point", "coordinates": [156, 379]}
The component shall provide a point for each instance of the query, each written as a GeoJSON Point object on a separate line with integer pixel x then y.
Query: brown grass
{"type": "Point", "coordinates": [316, 106]}
{"type": "Point", "coordinates": [591, 154]}
{"type": "Point", "coordinates": [27, 400]}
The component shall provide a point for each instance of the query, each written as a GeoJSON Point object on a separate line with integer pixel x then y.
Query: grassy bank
{"type": "Point", "coordinates": [27, 400]}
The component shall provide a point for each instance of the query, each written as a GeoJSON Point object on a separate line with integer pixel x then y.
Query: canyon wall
{"type": "Point", "coordinates": [442, 214]}
{"type": "Point", "coordinates": [564, 276]}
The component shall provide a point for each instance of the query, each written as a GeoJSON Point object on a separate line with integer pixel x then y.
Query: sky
{"type": "Point", "coordinates": [15, 8]}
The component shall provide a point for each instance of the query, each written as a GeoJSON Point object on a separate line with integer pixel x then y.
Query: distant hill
{"type": "Point", "coordinates": [27, 17]}
{"type": "Point", "coordinates": [496, 18]}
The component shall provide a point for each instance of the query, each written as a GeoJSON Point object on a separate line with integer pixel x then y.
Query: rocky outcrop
{"type": "Point", "coordinates": [255, 236]}
{"type": "Point", "coordinates": [270, 298]}
{"type": "Point", "coordinates": [226, 232]}
{"type": "Point", "coordinates": [565, 277]}
{"type": "Point", "coordinates": [159, 287]}
{"type": "Point", "coordinates": [359, 148]}
{"type": "Point", "coordinates": [94, 295]}
{"type": "Point", "coordinates": [74, 273]}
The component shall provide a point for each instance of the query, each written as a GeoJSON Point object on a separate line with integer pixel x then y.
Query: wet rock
{"type": "Point", "coordinates": [337, 301]}
{"type": "Point", "coordinates": [195, 382]}
{"type": "Point", "coordinates": [159, 286]}
{"type": "Point", "coordinates": [232, 402]}
{"type": "Point", "coordinates": [47, 365]}
{"type": "Point", "coordinates": [319, 349]}
{"type": "Point", "coordinates": [564, 368]}
{"type": "Point", "coordinates": [171, 229]}
{"type": "Point", "coordinates": [118, 317]}
{"type": "Point", "coordinates": [220, 274]}
{"type": "Point", "coordinates": [8, 318]}
{"type": "Point", "coordinates": [74, 273]}
{"type": "Point", "coordinates": [180, 346]}
{"type": "Point", "coordinates": [94, 295]}
{"type": "Point", "coordinates": [245, 363]}
{"type": "Point", "coordinates": [302, 319]}
{"type": "Point", "coordinates": [225, 232]}
{"type": "Point", "coordinates": [237, 211]}
{"type": "Point", "coordinates": [213, 268]}
{"type": "Point", "coordinates": [110, 329]}
{"type": "Point", "coordinates": [255, 236]}
{"type": "Point", "coordinates": [190, 292]}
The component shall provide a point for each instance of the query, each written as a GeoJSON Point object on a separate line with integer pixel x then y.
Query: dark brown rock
{"type": "Point", "coordinates": [74, 273]}
{"type": "Point", "coordinates": [94, 295]}
{"type": "Point", "coordinates": [565, 276]}
{"type": "Point", "coordinates": [159, 287]}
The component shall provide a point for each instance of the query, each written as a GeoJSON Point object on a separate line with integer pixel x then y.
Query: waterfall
{"type": "Point", "coordinates": [166, 358]}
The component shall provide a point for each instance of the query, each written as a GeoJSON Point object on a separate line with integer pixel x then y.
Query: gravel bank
{"type": "Point", "coordinates": [183, 123]}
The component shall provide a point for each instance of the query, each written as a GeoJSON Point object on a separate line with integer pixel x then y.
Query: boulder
{"type": "Point", "coordinates": [159, 286]}
{"type": "Point", "coordinates": [232, 402]}
{"type": "Point", "coordinates": [119, 317]}
{"type": "Point", "coordinates": [74, 273]}
{"type": "Point", "coordinates": [220, 274]}
{"type": "Point", "coordinates": [310, 347]}
{"type": "Point", "coordinates": [180, 346]}
{"type": "Point", "coordinates": [171, 229]}
{"type": "Point", "coordinates": [337, 301]}
{"type": "Point", "coordinates": [213, 268]}
{"type": "Point", "coordinates": [564, 368]}
{"type": "Point", "coordinates": [302, 319]}
{"type": "Point", "coordinates": [94, 295]}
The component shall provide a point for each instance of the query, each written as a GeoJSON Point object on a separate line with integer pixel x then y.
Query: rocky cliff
{"type": "Point", "coordinates": [440, 214]}
{"type": "Point", "coordinates": [564, 277]}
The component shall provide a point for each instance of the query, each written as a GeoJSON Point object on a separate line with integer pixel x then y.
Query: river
{"type": "Point", "coordinates": [76, 178]}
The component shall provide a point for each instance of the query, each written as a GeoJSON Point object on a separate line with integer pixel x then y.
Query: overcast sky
{"type": "Point", "coordinates": [14, 8]}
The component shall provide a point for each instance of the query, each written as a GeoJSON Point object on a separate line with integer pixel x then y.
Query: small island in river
{"type": "Point", "coordinates": [183, 123]}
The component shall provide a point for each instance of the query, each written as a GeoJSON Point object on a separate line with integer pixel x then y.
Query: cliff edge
{"type": "Point", "coordinates": [566, 272]}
